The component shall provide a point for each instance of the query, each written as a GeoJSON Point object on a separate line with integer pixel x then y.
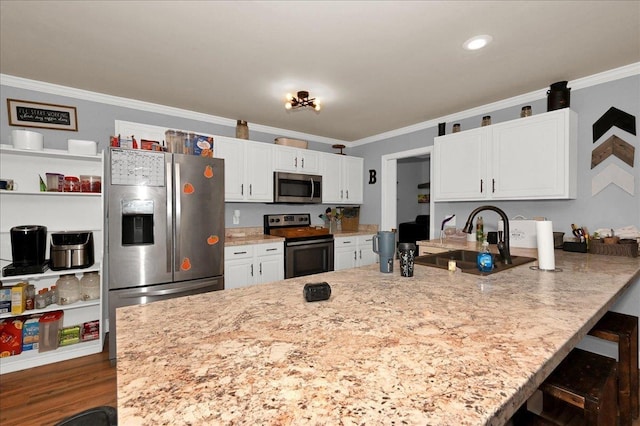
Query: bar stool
{"type": "Point", "coordinates": [584, 385]}
{"type": "Point", "coordinates": [623, 330]}
{"type": "Point", "coordinates": [97, 416]}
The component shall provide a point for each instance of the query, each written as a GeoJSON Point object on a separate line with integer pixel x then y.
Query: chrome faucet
{"type": "Point", "coordinates": [503, 245]}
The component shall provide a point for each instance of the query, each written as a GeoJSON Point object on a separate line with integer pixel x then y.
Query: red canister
{"type": "Point", "coordinates": [71, 184]}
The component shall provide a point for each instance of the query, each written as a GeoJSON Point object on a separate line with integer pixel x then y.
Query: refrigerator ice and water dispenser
{"type": "Point", "coordinates": [137, 222]}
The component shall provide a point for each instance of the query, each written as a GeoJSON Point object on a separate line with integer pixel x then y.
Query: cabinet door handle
{"type": "Point", "coordinates": [271, 249]}
{"type": "Point", "coordinates": [481, 182]}
{"type": "Point", "coordinates": [250, 189]}
{"type": "Point", "coordinates": [251, 270]}
{"type": "Point", "coordinates": [242, 189]}
{"type": "Point", "coordinates": [341, 194]}
{"type": "Point", "coordinates": [303, 162]}
{"type": "Point", "coordinates": [239, 252]}
{"type": "Point", "coordinates": [347, 194]}
{"type": "Point", "coordinates": [360, 253]}
{"type": "Point", "coordinates": [493, 185]}
{"type": "Point", "coordinates": [355, 255]}
{"type": "Point", "coordinates": [260, 268]}
{"type": "Point", "coordinates": [295, 162]}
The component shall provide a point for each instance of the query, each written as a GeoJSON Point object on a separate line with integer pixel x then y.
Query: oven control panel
{"type": "Point", "coordinates": [272, 221]}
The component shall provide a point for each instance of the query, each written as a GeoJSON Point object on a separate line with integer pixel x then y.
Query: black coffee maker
{"type": "Point", "coordinates": [28, 248]}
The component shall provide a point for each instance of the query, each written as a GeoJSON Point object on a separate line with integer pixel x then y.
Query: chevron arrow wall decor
{"type": "Point", "coordinates": [613, 146]}
{"type": "Point", "coordinates": [614, 117]}
{"type": "Point", "coordinates": [612, 174]}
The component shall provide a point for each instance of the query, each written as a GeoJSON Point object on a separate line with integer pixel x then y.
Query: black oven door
{"type": "Point", "coordinates": [308, 257]}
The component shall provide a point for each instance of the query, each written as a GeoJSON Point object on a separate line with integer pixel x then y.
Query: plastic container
{"type": "Point", "coordinates": [90, 286]}
{"type": "Point", "coordinates": [41, 299]}
{"type": "Point", "coordinates": [485, 259]}
{"type": "Point", "coordinates": [68, 289]}
{"type": "Point", "coordinates": [71, 184]}
{"type": "Point", "coordinates": [50, 325]}
{"type": "Point", "coordinates": [90, 183]}
{"type": "Point", "coordinates": [55, 182]}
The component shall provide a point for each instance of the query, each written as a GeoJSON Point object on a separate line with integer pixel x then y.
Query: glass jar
{"type": "Point", "coordinates": [242, 130]}
{"type": "Point", "coordinates": [90, 286]}
{"type": "Point", "coordinates": [486, 120]}
{"type": "Point", "coordinates": [30, 301]}
{"type": "Point", "coordinates": [68, 289]}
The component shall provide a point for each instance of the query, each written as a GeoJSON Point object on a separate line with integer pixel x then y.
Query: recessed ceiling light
{"type": "Point", "coordinates": [477, 42]}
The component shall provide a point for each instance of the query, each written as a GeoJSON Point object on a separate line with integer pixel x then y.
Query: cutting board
{"type": "Point", "coordinates": [305, 231]}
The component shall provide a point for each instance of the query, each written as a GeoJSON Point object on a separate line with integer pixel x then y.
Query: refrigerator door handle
{"type": "Point", "coordinates": [169, 229]}
{"type": "Point", "coordinates": [132, 294]}
{"type": "Point", "coordinates": [177, 191]}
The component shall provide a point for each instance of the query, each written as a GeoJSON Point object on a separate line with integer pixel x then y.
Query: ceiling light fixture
{"type": "Point", "coordinates": [302, 100]}
{"type": "Point", "coordinates": [477, 42]}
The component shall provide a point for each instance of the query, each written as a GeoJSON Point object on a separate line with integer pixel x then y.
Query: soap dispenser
{"type": "Point", "coordinates": [485, 259]}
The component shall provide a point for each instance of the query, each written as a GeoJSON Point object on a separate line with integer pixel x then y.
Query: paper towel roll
{"type": "Point", "coordinates": [546, 256]}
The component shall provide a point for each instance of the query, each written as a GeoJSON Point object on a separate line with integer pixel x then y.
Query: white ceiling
{"type": "Point", "coordinates": [376, 66]}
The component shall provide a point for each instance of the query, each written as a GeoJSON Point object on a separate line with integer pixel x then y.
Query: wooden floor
{"type": "Point", "coordinates": [47, 394]}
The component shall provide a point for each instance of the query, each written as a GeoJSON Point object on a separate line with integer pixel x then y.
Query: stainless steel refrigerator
{"type": "Point", "coordinates": [164, 226]}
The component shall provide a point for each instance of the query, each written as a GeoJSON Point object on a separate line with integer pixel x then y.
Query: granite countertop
{"type": "Point", "coordinates": [255, 235]}
{"type": "Point", "coordinates": [440, 348]}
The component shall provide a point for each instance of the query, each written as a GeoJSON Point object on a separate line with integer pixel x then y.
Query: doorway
{"type": "Point", "coordinates": [389, 195]}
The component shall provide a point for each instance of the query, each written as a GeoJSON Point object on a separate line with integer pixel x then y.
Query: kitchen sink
{"type": "Point", "coordinates": [466, 261]}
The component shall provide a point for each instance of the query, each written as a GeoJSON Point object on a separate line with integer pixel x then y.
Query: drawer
{"type": "Point", "coordinates": [238, 252]}
{"type": "Point", "coordinates": [269, 249]}
{"type": "Point", "coordinates": [365, 240]}
{"type": "Point", "coordinates": [345, 241]}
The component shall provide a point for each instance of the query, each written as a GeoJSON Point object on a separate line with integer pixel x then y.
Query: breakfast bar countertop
{"type": "Point", "coordinates": [439, 348]}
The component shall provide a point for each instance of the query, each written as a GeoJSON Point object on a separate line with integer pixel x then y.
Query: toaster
{"type": "Point", "coordinates": [71, 250]}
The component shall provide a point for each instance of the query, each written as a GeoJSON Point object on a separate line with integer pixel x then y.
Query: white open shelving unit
{"type": "Point", "coordinates": [58, 211]}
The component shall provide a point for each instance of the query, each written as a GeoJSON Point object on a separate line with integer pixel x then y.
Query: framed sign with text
{"type": "Point", "coordinates": [44, 116]}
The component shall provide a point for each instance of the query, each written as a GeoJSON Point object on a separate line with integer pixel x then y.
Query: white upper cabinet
{"type": "Point", "coordinates": [460, 166]}
{"type": "Point", "coordinates": [287, 159]}
{"type": "Point", "coordinates": [342, 179]}
{"type": "Point", "coordinates": [524, 159]}
{"type": "Point", "coordinates": [247, 169]}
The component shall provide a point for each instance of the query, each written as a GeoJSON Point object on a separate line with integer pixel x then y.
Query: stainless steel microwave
{"type": "Point", "coordinates": [296, 188]}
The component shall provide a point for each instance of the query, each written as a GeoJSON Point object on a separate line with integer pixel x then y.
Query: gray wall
{"type": "Point", "coordinates": [612, 207]}
{"type": "Point", "coordinates": [96, 121]}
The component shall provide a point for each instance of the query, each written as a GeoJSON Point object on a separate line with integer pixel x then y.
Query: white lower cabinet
{"type": "Point", "coordinates": [253, 264]}
{"type": "Point", "coordinates": [351, 252]}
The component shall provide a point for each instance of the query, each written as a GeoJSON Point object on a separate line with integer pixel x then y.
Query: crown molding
{"type": "Point", "coordinates": [581, 83]}
{"type": "Point", "coordinates": [71, 92]}
{"type": "Point", "coordinates": [55, 89]}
